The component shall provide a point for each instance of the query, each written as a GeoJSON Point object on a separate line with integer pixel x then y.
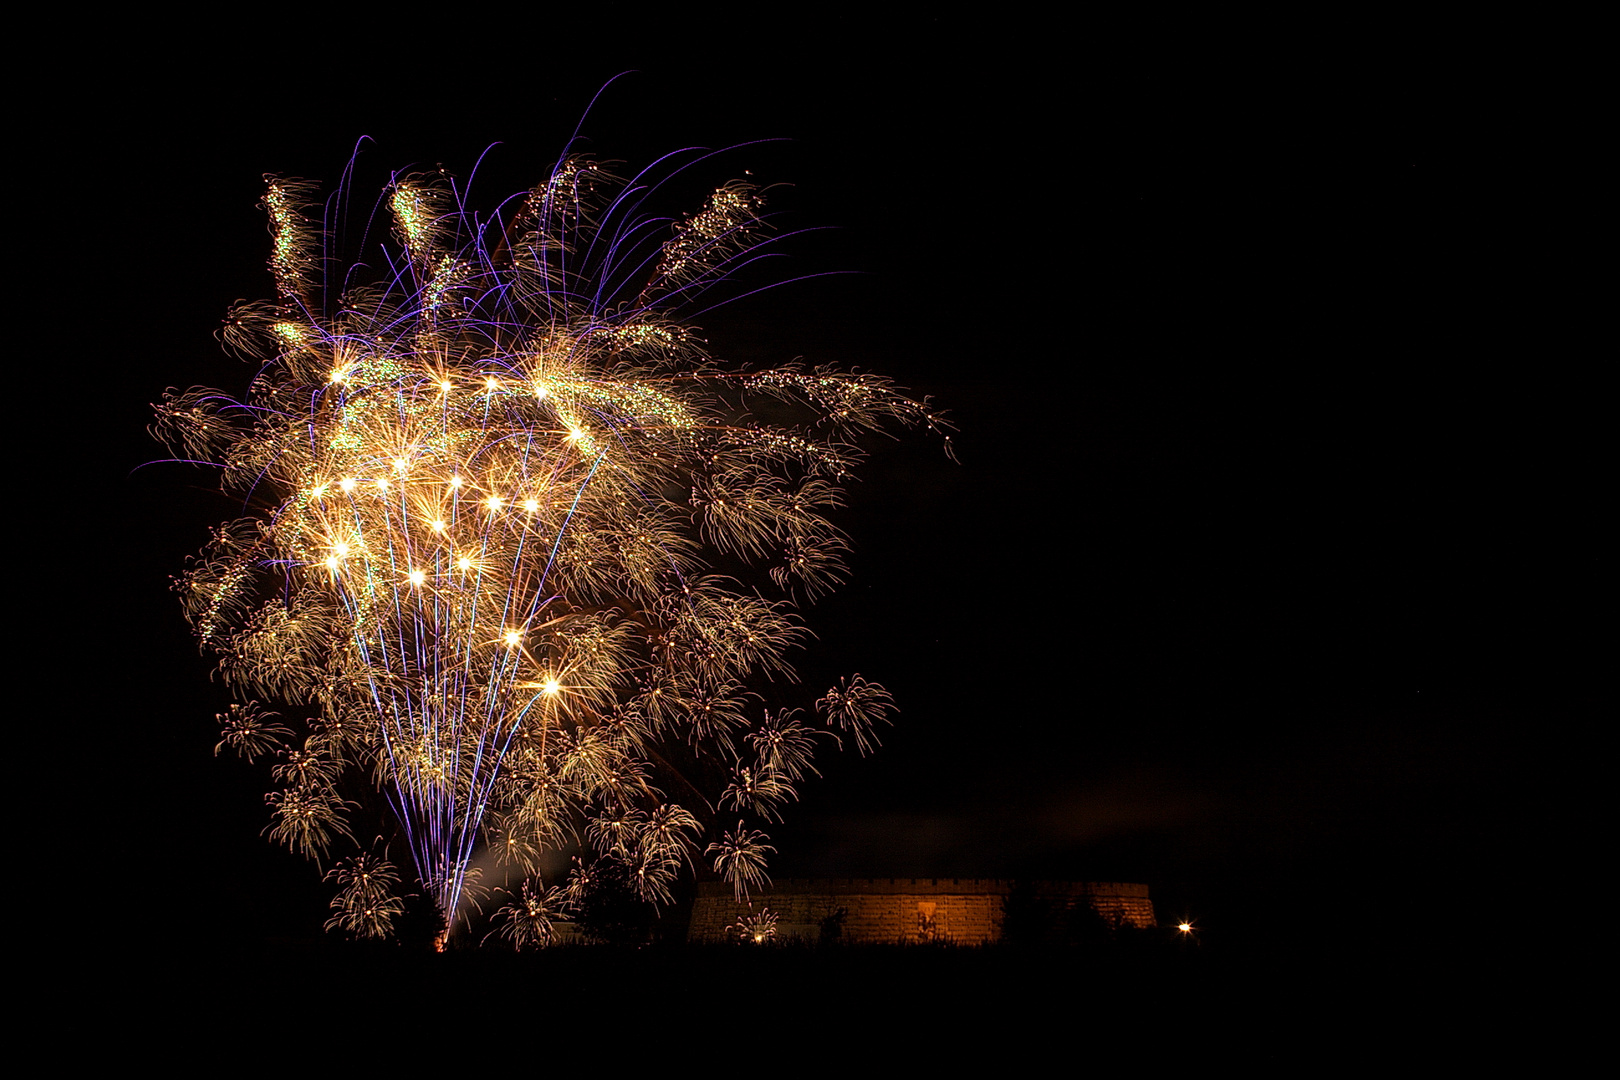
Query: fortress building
{"type": "Point", "coordinates": [887, 911]}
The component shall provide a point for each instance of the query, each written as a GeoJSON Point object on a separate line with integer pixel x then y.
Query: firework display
{"type": "Point", "coordinates": [515, 551]}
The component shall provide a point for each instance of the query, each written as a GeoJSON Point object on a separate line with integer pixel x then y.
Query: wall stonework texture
{"type": "Point", "coordinates": [887, 911]}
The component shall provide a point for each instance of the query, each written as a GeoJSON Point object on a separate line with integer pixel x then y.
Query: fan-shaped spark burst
{"type": "Point", "coordinates": [483, 486]}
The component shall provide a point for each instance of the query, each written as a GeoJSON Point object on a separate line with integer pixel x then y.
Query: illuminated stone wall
{"type": "Point", "coordinates": [886, 911]}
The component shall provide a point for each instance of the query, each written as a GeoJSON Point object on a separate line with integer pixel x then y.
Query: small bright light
{"type": "Point", "coordinates": [347, 483]}
{"type": "Point", "coordinates": [550, 687]}
{"type": "Point", "coordinates": [513, 637]}
{"type": "Point", "coordinates": [1185, 928]}
{"type": "Point", "coordinates": [492, 383]}
{"type": "Point", "coordinates": [493, 502]}
{"type": "Point", "coordinates": [446, 386]}
{"type": "Point", "coordinates": [576, 433]}
{"type": "Point", "coordinates": [331, 562]}
{"type": "Point", "coordinates": [382, 482]}
{"type": "Point", "coordinates": [436, 526]}
{"type": "Point", "coordinates": [400, 464]}
{"type": "Point", "coordinates": [541, 392]}
{"type": "Point", "coordinates": [417, 577]}
{"type": "Point", "coordinates": [531, 505]}
{"type": "Point", "coordinates": [455, 481]}
{"type": "Point", "coordinates": [341, 548]}
{"type": "Point", "coordinates": [464, 563]}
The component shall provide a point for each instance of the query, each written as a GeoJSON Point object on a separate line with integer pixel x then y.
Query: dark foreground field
{"type": "Point", "coordinates": [1144, 998]}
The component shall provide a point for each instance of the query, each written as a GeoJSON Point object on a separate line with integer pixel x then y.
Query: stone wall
{"type": "Point", "coordinates": [885, 911]}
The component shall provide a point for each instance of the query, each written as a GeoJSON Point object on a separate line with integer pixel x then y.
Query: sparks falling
{"type": "Point", "coordinates": [488, 491]}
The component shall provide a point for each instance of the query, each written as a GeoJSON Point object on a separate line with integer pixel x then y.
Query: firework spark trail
{"type": "Point", "coordinates": [477, 494]}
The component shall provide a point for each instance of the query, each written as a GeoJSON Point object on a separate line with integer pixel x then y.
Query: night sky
{"type": "Point", "coordinates": [1266, 576]}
